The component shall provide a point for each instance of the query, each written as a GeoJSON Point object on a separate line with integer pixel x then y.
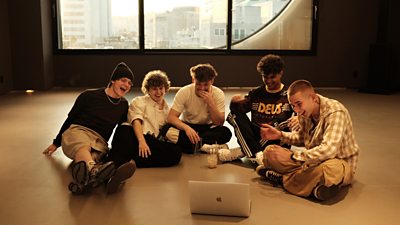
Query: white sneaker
{"type": "Point", "coordinates": [172, 135]}
{"type": "Point", "coordinates": [259, 158]}
{"type": "Point", "coordinates": [214, 147]}
{"type": "Point", "coordinates": [226, 155]}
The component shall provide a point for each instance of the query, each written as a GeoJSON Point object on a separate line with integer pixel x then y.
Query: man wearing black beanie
{"type": "Point", "coordinates": [85, 133]}
{"type": "Point", "coordinates": [120, 71]}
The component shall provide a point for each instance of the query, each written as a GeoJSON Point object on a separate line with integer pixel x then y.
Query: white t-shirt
{"type": "Point", "coordinates": [148, 111]}
{"type": "Point", "coordinates": [193, 108]}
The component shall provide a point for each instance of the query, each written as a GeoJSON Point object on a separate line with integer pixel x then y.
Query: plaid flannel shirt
{"type": "Point", "coordinates": [331, 137]}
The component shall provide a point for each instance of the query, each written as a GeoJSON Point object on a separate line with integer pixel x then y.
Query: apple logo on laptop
{"type": "Point", "coordinates": [219, 199]}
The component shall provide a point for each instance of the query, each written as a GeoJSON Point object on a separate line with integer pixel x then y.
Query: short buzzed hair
{"type": "Point", "coordinates": [299, 85]}
{"type": "Point", "coordinates": [203, 72]}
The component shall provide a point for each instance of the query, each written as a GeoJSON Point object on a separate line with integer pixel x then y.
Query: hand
{"type": "Point", "coordinates": [49, 150]}
{"type": "Point", "coordinates": [192, 135]}
{"type": "Point", "coordinates": [268, 132]}
{"type": "Point", "coordinates": [144, 150]}
{"type": "Point", "coordinates": [294, 124]}
{"type": "Point", "coordinates": [207, 97]}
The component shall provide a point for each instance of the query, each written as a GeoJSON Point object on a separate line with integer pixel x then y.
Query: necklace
{"type": "Point", "coordinates": [110, 100]}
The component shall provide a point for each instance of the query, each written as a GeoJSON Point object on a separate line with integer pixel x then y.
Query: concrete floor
{"type": "Point", "coordinates": [34, 187]}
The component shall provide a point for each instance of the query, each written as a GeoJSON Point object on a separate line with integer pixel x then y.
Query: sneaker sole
{"type": "Point", "coordinates": [254, 161]}
{"type": "Point", "coordinates": [77, 189]}
{"type": "Point", "coordinates": [261, 171]}
{"type": "Point", "coordinates": [80, 173]}
{"type": "Point", "coordinates": [324, 193]}
{"type": "Point", "coordinates": [214, 149]}
{"type": "Point", "coordinates": [103, 176]}
{"type": "Point", "coordinates": [123, 172]}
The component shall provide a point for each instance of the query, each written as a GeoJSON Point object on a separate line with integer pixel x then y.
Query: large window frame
{"type": "Point", "coordinates": [227, 50]}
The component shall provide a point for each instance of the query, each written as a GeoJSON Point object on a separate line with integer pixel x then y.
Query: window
{"type": "Point", "coordinates": [274, 24]}
{"type": "Point", "coordinates": [184, 24]}
{"type": "Point", "coordinates": [100, 24]}
{"type": "Point", "coordinates": [219, 32]}
{"type": "Point", "coordinates": [194, 25]}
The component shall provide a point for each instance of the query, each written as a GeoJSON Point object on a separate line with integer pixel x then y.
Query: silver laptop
{"type": "Point", "coordinates": [219, 198]}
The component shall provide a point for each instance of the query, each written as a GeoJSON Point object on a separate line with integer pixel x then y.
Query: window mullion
{"type": "Point", "coordinates": [229, 27]}
{"type": "Point", "coordinates": [141, 25]}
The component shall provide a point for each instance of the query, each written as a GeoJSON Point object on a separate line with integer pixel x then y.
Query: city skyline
{"type": "Point", "coordinates": [180, 24]}
{"type": "Point", "coordinates": [130, 7]}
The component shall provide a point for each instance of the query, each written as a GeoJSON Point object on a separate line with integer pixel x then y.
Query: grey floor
{"type": "Point", "coordinates": [34, 187]}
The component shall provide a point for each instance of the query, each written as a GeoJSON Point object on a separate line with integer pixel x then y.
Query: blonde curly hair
{"type": "Point", "coordinates": [155, 78]}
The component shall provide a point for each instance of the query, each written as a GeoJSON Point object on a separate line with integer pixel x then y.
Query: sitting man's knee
{"type": "Point", "coordinates": [269, 152]}
{"type": "Point", "coordinates": [276, 153]}
{"type": "Point", "coordinates": [236, 103]}
{"type": "Point", "coordinates": [237, 98]}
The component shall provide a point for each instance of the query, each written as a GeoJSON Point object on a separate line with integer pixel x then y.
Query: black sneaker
{"type": "Point", "coordinates": [322, 192]}
{"type": "Point", "coordinates": [261, 170]}
{"type": "Point", "coordinates": [101, 173]}
{"type": "Point", "coordinates": [80, 173]}
{"type": "Point", "coordinates": [271, 176]}
{"type": "Point", "coordinates": [274, 178]}
{"type": "Point", "coordinates": [123, 172]}
{"type": "Point", "coordinates": [78, 189]}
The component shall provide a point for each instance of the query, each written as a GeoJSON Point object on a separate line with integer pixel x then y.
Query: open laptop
{"type": "Point", "coordinates": [219, 198]}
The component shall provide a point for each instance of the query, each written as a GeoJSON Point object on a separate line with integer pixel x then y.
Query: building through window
{"type": "Point", "coordinates": [185, 24]}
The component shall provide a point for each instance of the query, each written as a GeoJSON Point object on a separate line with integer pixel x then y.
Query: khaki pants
{"type": "Point", "coordinates": [300, 179]}
{"type": "Point", "coordinates": [76, 137]}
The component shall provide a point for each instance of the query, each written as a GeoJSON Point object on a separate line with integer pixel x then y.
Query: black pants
{"type": "Point", "coordinates": [247, 134]}
{"type": "Point", "coordinates": [209, 133]}
{"type": "Point", "coordinates": [125, 147]}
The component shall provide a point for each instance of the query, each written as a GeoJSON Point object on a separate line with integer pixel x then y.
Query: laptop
{"type": "Point", "coordinates": [219, 198]}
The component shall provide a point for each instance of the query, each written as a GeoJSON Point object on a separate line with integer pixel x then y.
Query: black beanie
{"type": "Point", "coordinates": [120, 71]}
